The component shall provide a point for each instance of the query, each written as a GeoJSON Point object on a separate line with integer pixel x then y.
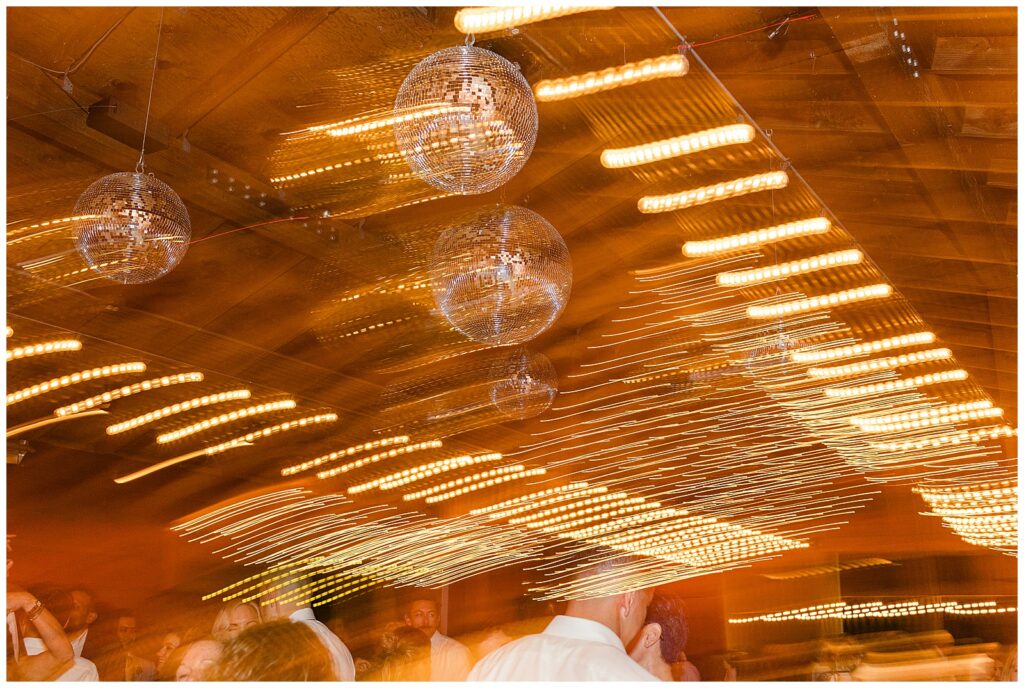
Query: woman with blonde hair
{"type": "Point", "coordinates": [235, 617]}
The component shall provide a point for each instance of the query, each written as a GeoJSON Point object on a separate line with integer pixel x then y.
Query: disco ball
{"type": "Point", "coordinates": [466, 120]}
{"type": "Point", "coordinates": [525, 385]}
{"type": "Point", "coordinates": [502, 276]}
{"type": "Point", "coordinates": [132, 228]}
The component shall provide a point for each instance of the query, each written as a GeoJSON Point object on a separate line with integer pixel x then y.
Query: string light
{"type": "Point", "coordinates": [180, 407]}
{"type": "Point", "coordinates": [863, 348]}
{"type": "Point", "coordinates": [427, 491]}
{"type": "Point", "coordinates": [541, 502]}
{"type": "Point", "coordinates": [680, 145]}
{"type": "Point", "coordinates": [614, 506]}
{"type": "Point", "coordinates": [841, 298]}
{"type": "Point", "coordinates": [359, 463]}
{"type": "Point", "coordinates": [954, 439]}
{"type": "Point", "coordinates": [348, 451]}
{"type": "Point", "coordinates": [74, 379]}
{"type": "Point", "coordinates": [758, 237]}
{"type": "Point", "coordinates": [945, 419]}
{"type": "Point", "coordinates": [575, 507]}
{"type": "Point", "coordinates": [896, 385]}
{"type": "Point", "coordinates": [714, 192]}
{"type": "Point", "coordinates": [53, 225]}
{"type": "Point", "coordinates": [490, 482]}
{"type": "Point", "coordinates": [742, 278]}
{"type": "Point", "coordinates": [487, 19]}
{"type": "Point", "coordinates": [126, 391]}
{"type": "Point", "coordinates": [242, 441]}
{"type": "Point", "coordinates": [363, 125]}
{"type": "Point", "coordinates": [601, 516]}
{"type": "Point", "coordinates": [225, 418]}
{"type": "Point", "coordinates": [842, 610]}
{"type": "Point", "coordinates": [877, 364]}
{"type": "Point", "coordinates": [421, 472]}
{"type": "Point", "coordinates": [54, 346]}
{"type": "Point", "coordinates": [10, 331]}
{"type": "Point", "coordinates": [888, 419]}
{"type": "Point", "coordinates": [529, 498]}
{"type": "Point", "coordinates": [611, 78]}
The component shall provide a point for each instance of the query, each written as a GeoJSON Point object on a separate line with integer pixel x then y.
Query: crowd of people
{"type": "Point", "coordinates": [52, 635]}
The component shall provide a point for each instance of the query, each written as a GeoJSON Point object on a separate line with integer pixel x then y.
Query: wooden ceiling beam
{"type": "Point", "coordinates": [246, 65]}
{"type": "Point", "coordinates": [40, 108]}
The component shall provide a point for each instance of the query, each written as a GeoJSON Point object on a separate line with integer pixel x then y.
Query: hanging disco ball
{"type": "Point", "coordinates": [132, 228]}
{"type": "Point", "coordinates": [466, 120]}
{"type": "Point", "coordinates": [502, 276]}
{"type": "Point", "coordinates": [525, 385]}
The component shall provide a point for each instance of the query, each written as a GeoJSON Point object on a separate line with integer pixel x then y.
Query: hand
{"type": "Point", "coordinates": [20, 600]}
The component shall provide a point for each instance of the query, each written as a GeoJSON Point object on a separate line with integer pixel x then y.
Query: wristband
{"type": "Point", "coordinates": [35, 611]}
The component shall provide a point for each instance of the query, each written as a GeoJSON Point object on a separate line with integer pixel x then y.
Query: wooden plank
{"type": "Point", "coordinates": [246, 65]}
{"type": "Point", "coordinates": [979, 54]}
{"type": "Point", "coordinates": [41, 109]}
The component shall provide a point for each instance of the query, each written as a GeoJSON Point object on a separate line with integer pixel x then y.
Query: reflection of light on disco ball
{"type": "Point", "coordinates": [771, 355]}
{"type": "Point", "coordinates": [485, 125]}
{"type": "Point", "coordinates": [133, 227]}
{"type": "Point", "coordinates": [501, 277]}
{"type": "Point", "coordinates": [525, 385]}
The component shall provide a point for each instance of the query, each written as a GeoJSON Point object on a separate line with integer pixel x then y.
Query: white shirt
{"type": "Point", "coordinates": [569, 649]}
{"type": "Point", "coordinates": [82, 670]}
{"type": "Point", "coordinates": [341, 658]}
{"type": "Point", "coordinates": [78, 644]}
{"type": "Point", "coordinates": [449, 659]}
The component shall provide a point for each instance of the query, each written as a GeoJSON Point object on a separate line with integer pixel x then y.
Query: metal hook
{"type": "Point", "coordinates": [470, 39]}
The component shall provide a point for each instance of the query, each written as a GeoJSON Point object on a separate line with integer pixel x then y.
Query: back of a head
{"type": "Point", "coordinates": [276, 651]}
{"type": "Point", "coordinates": [403, 654]}
{"type": "Point", "coordinates": [669, 613]}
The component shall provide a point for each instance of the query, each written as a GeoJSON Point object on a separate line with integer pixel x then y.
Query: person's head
{"type": "Point", "coordinates": [57, 601]}
{"type": "Point", "coordinates": [275, 651]}
{"type": "Point", "coordinates": [664, 633]}
{"type": "Point", "coordinates": [233, 618]}
{"type": "Point", "coordinates": [403, 654]}
{"type": "Point", "coordinates": [170, 643]}
{"type": "Point", "coordinates": [127, 630]}
{"type": "Point", "coordinates": [199, 661]}
{"type": "Point", "coordinates": [423, 613]}
{"type": "Point", "coordinates": [622, 612]}
{"type": "Point", "coordinates": [275, 601]}
{"type": "Point", "coordinates": [83, 613]}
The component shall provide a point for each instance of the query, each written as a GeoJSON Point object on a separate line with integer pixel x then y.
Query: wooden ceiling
{"type": "Point", "coordinates": [920, 169]}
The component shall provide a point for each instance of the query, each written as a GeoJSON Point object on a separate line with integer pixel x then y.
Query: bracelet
{"type": "Point", "coordinates": [35, 611]}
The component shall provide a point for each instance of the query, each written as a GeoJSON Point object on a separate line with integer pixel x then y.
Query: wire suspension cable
{"type": "Point", "coordinates": [140, 166]}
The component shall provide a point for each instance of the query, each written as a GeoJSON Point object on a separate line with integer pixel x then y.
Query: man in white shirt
{"type": "Point", "coordinates": [83, 615]}
{"type": "Point", "coordinates": [341, 658]}
{"type": "Point", "coordinates": [587, 643]}
{"type": "Point", "coordinates": [450, 660]}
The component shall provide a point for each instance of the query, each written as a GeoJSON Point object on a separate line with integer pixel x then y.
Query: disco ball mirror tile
{"type": "Point", "coordinates": [502, 275]}
{"type": "Point", "coordinates": [483, 124]}
{"type": "Point", "coordinates": [132, 229]}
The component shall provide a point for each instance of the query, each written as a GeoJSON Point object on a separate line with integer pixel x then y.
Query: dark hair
{"type": "Point", "coordinates": [403, 654]}
{"type": "Point", "coordinates": [276, 651]}
{"type": "Point", "coordinates": [59, 602]}
{"type": "Point", "coordinates": [668, 612]}
{"type": "Point", "coordinates": [421, 595]}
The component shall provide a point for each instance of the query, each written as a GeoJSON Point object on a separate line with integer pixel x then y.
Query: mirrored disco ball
{"type": "Point", "coordinates": [466, 120]}
{"type": "Point", "coordinates": [501, 276]}
{"type": "Point", "coordinates": [132, 229]}
{"type": "Point", "coordinates": [525, 384]}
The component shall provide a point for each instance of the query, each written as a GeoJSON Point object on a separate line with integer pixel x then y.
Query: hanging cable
{"type": "Point", "coordinates": [140, 166]}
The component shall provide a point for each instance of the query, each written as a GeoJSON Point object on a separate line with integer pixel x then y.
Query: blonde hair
{"type": "Point", "coordinates": [223, 620]}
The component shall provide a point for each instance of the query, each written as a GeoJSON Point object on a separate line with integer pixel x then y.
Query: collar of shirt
{"type": "Point", "coordinates": [437, 639]}
{"type": "Point", "coordinates": [78, 644]}
{"type": "Point", "coordinates": [583, 629]}
{"type": "Point", "coordinates": [305, 614]}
